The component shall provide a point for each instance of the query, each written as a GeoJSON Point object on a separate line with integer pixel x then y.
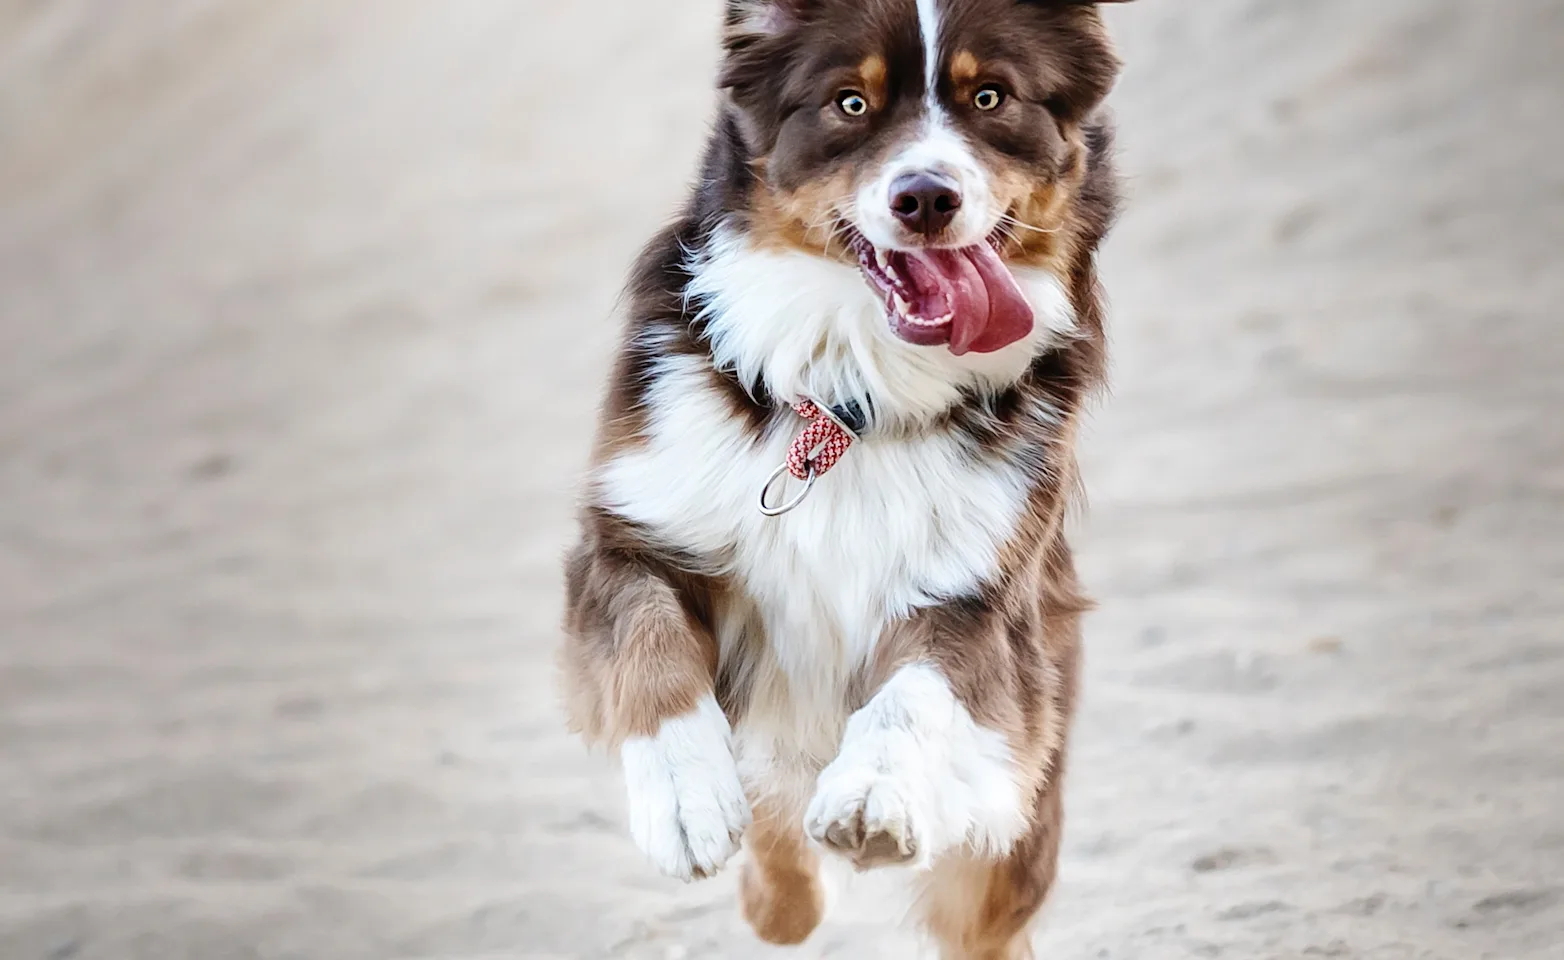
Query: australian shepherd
{"type": "Point", "coordinates": [823, 605]}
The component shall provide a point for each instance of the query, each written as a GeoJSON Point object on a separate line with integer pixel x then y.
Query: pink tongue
{"type": "Point", "coordinates": [988, 310]}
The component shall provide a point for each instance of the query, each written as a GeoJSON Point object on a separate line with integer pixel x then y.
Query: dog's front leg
{"type": "Point", "coordinates": [917, 777]}
{"type": "Point", "coordinates": [640, 668]}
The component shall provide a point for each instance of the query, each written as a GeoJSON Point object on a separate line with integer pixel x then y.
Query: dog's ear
{"type": "Point", "coordinates": [751, 20]}
{"type": "Point", "coordinates": [756, 35]}
{"type": "Point", "coordinates": [1090, 65]}
{"type": "Point", "coordinates": [759, 39]}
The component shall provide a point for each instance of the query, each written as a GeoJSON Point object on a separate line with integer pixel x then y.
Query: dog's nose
{"type": "Point", "coordinates": [924, 202]}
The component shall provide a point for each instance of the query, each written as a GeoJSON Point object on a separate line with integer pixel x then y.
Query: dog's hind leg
{"type": "Point", "coordinates": [780, 888]}
{"type": "Point", "coordinates": [983, 909]}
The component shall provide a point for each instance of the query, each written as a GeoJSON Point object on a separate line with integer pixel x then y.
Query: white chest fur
{"type": "Point", "coordinates": [898, 523]}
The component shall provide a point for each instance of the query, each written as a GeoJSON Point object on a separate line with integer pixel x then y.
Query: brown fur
{"type": "Point", "coordinates": [983, 910]}
{"type": "Point", "coordinates": [803, 218]}
{"type": "Point", "coordinates": [649, 657]}
{"type": "Point", "coordinates": [780, 888]}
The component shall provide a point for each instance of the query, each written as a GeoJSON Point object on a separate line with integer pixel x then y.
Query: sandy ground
{"type": "Point", "coordinates": [303, 309]}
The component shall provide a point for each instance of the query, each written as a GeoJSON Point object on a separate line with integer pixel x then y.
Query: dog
{"type": "Point", "coordinates": [822, 603]}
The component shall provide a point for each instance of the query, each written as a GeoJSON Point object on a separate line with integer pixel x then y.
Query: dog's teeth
{"type": "Point", "coordinates": [879, 257]}
{"type": "Point", "coordinates": [902, 307]}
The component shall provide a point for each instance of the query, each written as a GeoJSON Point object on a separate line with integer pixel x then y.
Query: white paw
{"type": "Point", "coordinates": [688, 812]}
{"type": "Point", "coordinates": [872, 818]}
{"type": "Point", "coordinates": [916, 777]}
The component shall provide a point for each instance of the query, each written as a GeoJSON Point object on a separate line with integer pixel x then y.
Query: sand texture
{"type": "Point", "coordinates": [304, 307]}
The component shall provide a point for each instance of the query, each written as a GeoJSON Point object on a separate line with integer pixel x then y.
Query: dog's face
{"type": "Point", "coordinates": [934, 140]}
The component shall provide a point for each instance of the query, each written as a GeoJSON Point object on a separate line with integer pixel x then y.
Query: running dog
{"type": "Point", "coordinates": [822, 603]}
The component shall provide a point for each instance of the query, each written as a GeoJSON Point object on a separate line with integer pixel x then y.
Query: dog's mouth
{"type": "Point", "coordinates": [962, 297]}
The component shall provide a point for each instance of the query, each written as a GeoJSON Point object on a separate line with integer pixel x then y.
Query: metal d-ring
{"type": "Point", "coordinates": [765, 491]}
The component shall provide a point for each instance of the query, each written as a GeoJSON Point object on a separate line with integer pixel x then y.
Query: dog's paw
{"type": "Point", "coordinates": [688, 811]}
{"type": "Point", "coordinates": [867, 816]}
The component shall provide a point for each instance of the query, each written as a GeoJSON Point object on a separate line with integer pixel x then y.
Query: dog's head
{"type": "Point", "coordinates": [936, 140]}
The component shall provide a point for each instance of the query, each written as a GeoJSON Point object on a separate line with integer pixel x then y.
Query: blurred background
{"type": "Point", "coordinates": [304, 308]}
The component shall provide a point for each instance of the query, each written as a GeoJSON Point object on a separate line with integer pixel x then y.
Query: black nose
{"type": "Point", "coordinates": [924, 202]}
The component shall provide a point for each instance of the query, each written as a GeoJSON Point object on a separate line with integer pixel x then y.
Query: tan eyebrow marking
{"type": "Point", "coordinates": [873, 71]}
{"type": "Point", "coordinates": [964, 67]}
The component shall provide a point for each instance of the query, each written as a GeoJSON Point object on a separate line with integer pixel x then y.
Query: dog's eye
{"type": "Point", "coordinates": [988, 97]}
{"type": "Point", "coordinates": [852, 103]}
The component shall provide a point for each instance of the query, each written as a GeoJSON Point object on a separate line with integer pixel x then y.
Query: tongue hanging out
{"type": "Point", "coordinates": [965, 297]}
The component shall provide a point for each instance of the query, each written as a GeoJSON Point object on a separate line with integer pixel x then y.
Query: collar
{"type": "Point", "coordinates": [851, 415]}
{"type": "Point", "coordinates": [830, 429]}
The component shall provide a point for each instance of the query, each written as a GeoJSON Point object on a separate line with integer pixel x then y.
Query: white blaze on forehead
{"type": "Point", "coordinates": [937, 148]}
{"type": "Point", "coordinates": [928, 26]}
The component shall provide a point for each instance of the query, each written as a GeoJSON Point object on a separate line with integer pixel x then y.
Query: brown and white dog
{"type": "Point", "coordinates": [897, 218]}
